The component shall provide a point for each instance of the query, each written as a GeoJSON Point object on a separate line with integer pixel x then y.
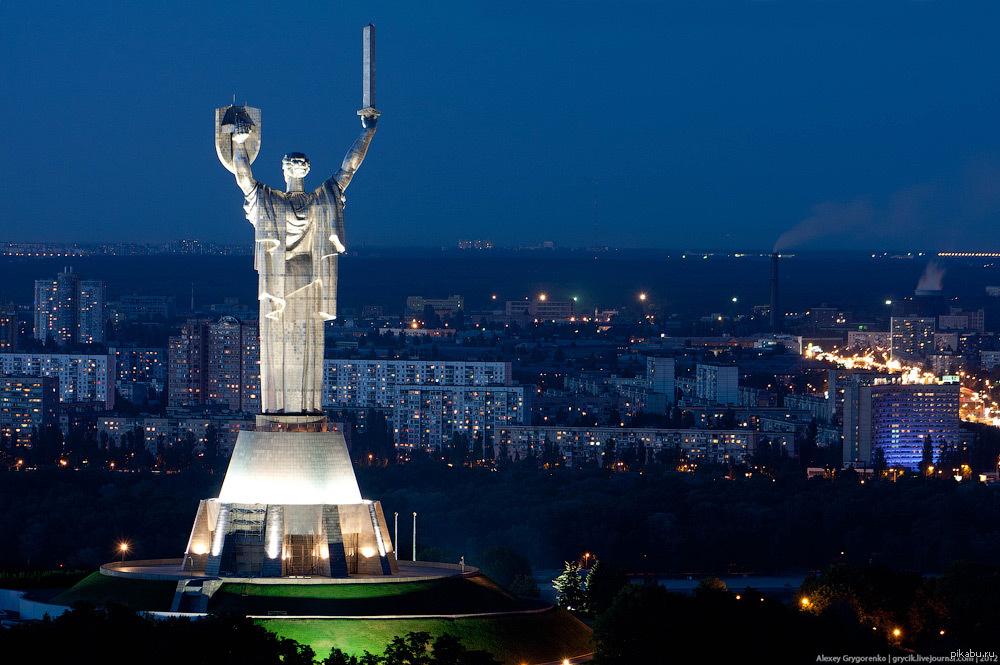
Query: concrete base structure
{"type": "Point", "coordinates": [290, 507]}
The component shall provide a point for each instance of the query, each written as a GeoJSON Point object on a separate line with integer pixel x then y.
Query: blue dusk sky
{"type": "Point", "coordinates": [835, 124]}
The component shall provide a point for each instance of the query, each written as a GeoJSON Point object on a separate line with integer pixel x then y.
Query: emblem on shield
{"type": "Point", "coordinates": [225, 122]}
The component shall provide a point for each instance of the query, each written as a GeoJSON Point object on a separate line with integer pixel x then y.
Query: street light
{"type": "Point", "coordinates": [395, 535]}
{"type": "Point", "coordinates": [123, 548]}
{"type": "Point", "coordinates": [414, 536]}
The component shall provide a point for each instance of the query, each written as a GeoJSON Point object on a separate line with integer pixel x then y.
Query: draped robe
{"type": "Point", "coordinates": [297, 238]}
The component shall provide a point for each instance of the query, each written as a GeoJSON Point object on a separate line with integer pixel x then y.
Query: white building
{"type": "Point", "coordinates": [82, 378]}
{"type": "Point", "coordinates": [588, 445]}
{"type": "Point", "coordinates": [428, 416]}
{"type": "Point", "coordinates": [430, 400]}
{"type": "Point", "coordinates": [375, 383]}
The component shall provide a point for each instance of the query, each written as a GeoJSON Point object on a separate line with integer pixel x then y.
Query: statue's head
{"type": "Point", "coordinates": [295, 165]}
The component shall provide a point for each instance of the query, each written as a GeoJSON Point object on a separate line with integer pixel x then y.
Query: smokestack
{"type": "Point", "coordinates": [777, 318]}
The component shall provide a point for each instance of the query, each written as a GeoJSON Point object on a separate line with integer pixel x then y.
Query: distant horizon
{"type": "Point", "coordinates": [689, 250]}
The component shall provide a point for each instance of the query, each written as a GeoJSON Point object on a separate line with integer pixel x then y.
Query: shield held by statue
{"type": "Point", "coordinates": [225, 121]}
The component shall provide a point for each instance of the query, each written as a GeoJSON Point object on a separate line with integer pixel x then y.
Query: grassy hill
{"type": "Point", "coordinates": [519, 638]}
{"type": "Point", "coordinates": [458, 595]}
{"type": "Point", "coordinates": [533, 637]}
{"type": "Point", "coordinates": [100, 590]}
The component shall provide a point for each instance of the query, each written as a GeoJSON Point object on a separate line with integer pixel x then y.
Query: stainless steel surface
{"type": "Point", "coordinates": [298, 235]}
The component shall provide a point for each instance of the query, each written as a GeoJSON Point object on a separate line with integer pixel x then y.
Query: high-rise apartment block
{"type": "Point", "coordinates": [588, 446]}
{"type": "Point", "coordinates": [430, 401]}
{"type": "Point", "coordinates": [27, 403]}
{"type": "Point", "coordinates": [215, 363]}
{"type": "Point", "coordinates": [86, 379]}
{"type": "Point", "coordinates": [427, 416]}
{"type": "Point", "coordinates": [660, 373]}
{"type": "Point", "coordinates": [376, 383]}
{"type": "Point", "coordinates": [718, 384]}
{"type": "Point", "coordinates": [912, 337]}
{"type": "Point", "coordinates": [8, 333]}
{"type": "Point", "coordinates": [68, 309]}
{"type": "Point", "coordinates": [898, 418]}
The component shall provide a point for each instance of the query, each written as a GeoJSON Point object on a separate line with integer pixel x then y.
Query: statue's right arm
{"type": "Point", "coordinates": [241, 160]}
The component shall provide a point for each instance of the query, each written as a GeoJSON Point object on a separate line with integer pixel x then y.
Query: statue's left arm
{"type": "Point", "coordinates": [356, 155]}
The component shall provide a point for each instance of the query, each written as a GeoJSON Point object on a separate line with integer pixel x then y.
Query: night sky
{"type": "Point", "coordinates": [708, 124]}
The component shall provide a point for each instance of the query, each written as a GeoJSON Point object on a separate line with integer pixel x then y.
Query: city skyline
{"type": "Point", "coordinates": [723, 125]}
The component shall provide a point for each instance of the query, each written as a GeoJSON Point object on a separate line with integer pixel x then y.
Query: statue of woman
{"type": "Point", "coordinates": [298, 235]}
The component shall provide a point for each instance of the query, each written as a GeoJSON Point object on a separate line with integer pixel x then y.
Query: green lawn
{"type": "Point", "coordinates": [445, 596]}
{"type": "Point", "coordinates": [515, 639]}
{"type": "Point", "coordinates": [138, 594]}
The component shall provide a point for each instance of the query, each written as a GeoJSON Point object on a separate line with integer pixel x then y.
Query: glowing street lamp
{"type": "Point", "coordinates": [642, 297]}
{"type": "Point", "coordinates": [123, 548]}
{"type": "Point", "coordinates": [542, 296]}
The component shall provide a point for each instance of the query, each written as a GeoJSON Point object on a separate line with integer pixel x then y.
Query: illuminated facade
{"type": "Point", "coordinates": [377, 383]}
{"type": "Point", "coordinates": [82, 378]}
{"type": "Point", "coordinates": [27, 403]}
{"type": "Point", "coordinates": [897, 418]}
{"type": "Point", "coordinates": [430, 401]}
{"type": "Point", "coordinates": [216, 363]}
{"type": "Point", "coordinates": [904, 415]}
{"type": "Point", "coordinates": [583, 446]}
{"type": "Point", "coordinates": [140, 372]}
{"type": "Point", "coordinates": [8, 333]}
{"type": "Point", "coordinates": [428, 416]}
{"type": "Point", "coordinates": [68, 309]}
{"type": "Point", "coordinates": [170, 430]}
{"type": "Point", "coordinates": [290, 506]}
{"type": "Point", "coordinates": [912, 337]}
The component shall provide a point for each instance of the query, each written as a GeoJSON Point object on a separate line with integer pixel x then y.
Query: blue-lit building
{"type": "Point", "coordinates": [903, 415]}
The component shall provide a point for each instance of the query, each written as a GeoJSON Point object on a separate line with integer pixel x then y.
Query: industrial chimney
{"type": "Point", "coordinates": [777, 318]}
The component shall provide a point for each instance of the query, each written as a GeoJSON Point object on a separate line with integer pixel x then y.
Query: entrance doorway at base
{"type": "Point", "coordinates": [301, 555]}
{"type": "Point", "coordinates": [351, 552]}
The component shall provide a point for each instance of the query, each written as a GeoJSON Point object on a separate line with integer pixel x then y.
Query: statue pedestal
{"type": "Point", "coordinates": [290, 506]}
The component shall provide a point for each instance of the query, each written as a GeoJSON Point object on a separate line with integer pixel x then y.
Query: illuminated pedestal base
{"type": "Point", "coordinates": [290, 506]}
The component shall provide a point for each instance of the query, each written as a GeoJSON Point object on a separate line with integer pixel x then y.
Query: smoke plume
{"type": "Point", "coordinates": [932, 278]}
{"type": "Point", "coordinates": [827, 219]}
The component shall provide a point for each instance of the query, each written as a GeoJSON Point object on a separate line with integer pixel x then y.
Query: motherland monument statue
{"type": "Point", "coordinates": [297, 238]}
{"type": "Point", "coordinates": [290, 505]}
